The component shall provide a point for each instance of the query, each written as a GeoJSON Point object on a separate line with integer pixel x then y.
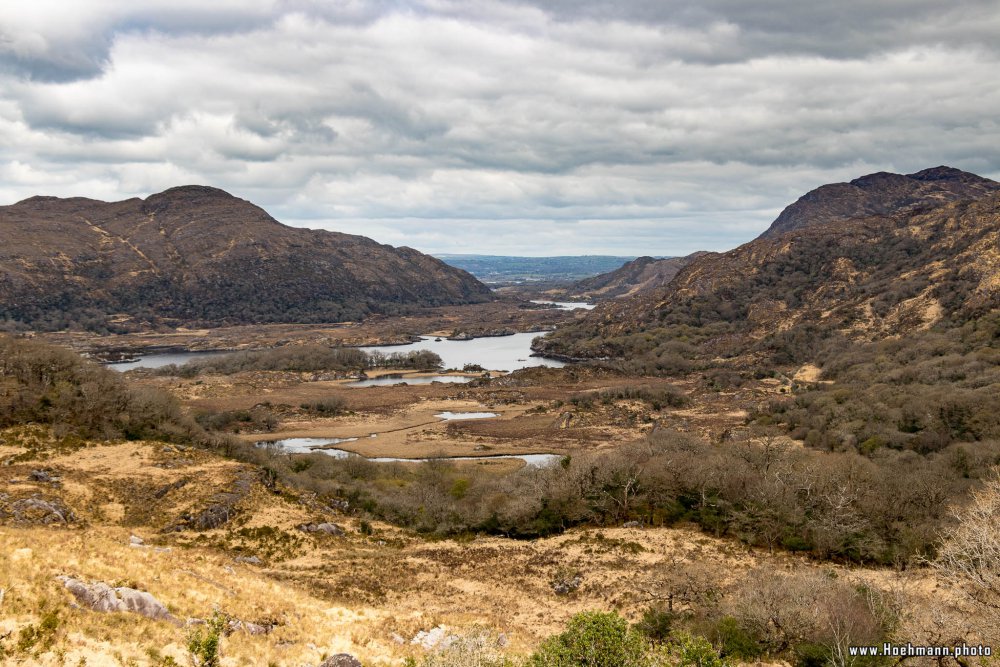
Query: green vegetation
{"type": "Point", "coordinates": [203, 642]}
{"type": "Point", "coordinates": [593, 639]}
{"type": "Point", "coordinates": [49, 385]}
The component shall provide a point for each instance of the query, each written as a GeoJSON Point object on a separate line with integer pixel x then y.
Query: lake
{"type": "Point", "coordinates": [567, 305]}
{"type": "Point", "coordinates": [164, 359]}
{"type": "Point", "coordinates": [495, 353]}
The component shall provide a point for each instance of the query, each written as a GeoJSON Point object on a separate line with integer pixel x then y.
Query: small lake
{"type": "Point", "coordinates": [160, 360]}
{"type": "Point", "coordinates": [322, 446]}
{"type": "Point", "coordinates": [567, 305]}
{"type": "Point", "coordinates": [495, 353]}
{"type": "Point", "coordinates": [389, 380]}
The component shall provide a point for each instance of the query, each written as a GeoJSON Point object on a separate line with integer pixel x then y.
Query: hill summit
{"type": "Point", "coordinates": [881, 193]}
{"type": "Point", "coordinates": [199, 255]}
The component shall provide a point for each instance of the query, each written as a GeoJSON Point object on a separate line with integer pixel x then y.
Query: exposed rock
{"type": "Point", "coordinates": [327, 528]}
{"type": "Point", "coordinates": [632, 524]}
{"type": "Point", "coordinates": [99, 596]}
{"type": "Point", "coordinates": [223, 506]}
{"type": "Point", "coordinates": [38, 510]}
{"type": "Point", "coordinates": [255, 629]}
{"type": "Point", "coordinates": [434, 638]}
{"type": "Point", "coordinates": [249, 560]}
{"type": "Point", "coordinates": [341, 660]}
{"type": "Point", "coordinates": [167, 488]}
{"type": "Point", "coordinates": [136, 541]}
{"type": "Point", "coordinates": [565, 586]}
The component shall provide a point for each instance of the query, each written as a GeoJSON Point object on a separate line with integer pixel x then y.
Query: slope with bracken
{"type": "Point", "coordinates": [868, 277]}
{"type": "Point", "coordinates": [196, 254]}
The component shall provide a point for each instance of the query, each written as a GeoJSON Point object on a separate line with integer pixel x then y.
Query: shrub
{"type": "Point", "coordinates": [593, 639]}
{"type": "Point", "coordinates": [204, 642]}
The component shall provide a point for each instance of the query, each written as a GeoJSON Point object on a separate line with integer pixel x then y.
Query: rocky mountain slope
{"type": "Point", "coordinates": [640, 275]}
{"type": "Point", "coordinates": [866, 277]}
{"type": "Point", "coordinates": [198, 255]}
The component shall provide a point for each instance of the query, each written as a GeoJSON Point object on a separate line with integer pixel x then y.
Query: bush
{"type": "Point", "coordinates": [686, 650]}
{"type": "Point", "coordinates": [203, 643]}
{"type": "Point", "coordinates": [593, 639]}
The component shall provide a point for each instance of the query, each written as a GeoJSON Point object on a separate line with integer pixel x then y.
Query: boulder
{"type": "Point", "coordinates": [341, 660]}
{"type": "Point", "coordinates": [99, 596]}
{"type": "Point", "coordinates": [327, 528]}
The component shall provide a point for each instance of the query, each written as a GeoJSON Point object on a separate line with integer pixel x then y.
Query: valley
{"type": "Point", "coordinates": [775, 453]}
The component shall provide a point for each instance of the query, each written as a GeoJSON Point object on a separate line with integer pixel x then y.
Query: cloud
{"type": "Point", "coordinates": [655, 128]}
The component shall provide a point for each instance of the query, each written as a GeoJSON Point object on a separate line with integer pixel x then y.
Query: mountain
{"type": "Point", "coordinates": [881, 193]}
{"type": "Point", "coordinates": [865, 278]}
{"type": "Point", "coordinates": [198, 255]}
{"type": "Point", "coordinates": [640, 275]}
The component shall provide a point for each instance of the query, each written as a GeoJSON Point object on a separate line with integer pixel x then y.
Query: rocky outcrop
{"type": "Point", "coordinates": [35, 510]}
{"type": "Point", "coordinates": [196, 254]}
{"type": "Point", "coordinates": [323, 528]}
{"type": "Point", "coordinates": [222, 506]}
{"type": "Point", "coordinates": [99, 596]}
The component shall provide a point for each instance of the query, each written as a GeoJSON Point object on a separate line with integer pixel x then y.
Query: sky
{"type": "Point", "coordinates": [642, 127]}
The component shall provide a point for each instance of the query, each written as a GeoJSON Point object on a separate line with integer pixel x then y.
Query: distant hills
{"type": "Point", "coordinates": [640, 275]}
{"type": "Point", "coordinates": [198, 255]}
{"type": "Point", "coordinates": [923, 250]}
{"type": "Point", "coordinates": [512, 270]}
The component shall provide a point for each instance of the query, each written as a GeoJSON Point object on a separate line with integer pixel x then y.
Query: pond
{"type": "Point", "coordinates": [322, 446]}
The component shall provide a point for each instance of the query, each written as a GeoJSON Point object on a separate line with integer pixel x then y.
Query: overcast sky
{"type": "Point", "coordinates": [644, 127]}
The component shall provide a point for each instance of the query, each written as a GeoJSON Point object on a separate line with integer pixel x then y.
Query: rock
{"type": "Point", "coordinates": [37, 510]}
{"type": "Point", "coordinates": [341, 660]}
{"type": "Point", "coordinates": [40, 476]}
{"type": "Point", "coordinates": [99, 596]}
{"type": "Point", "coordinates": [327, 528]}
{"type": "Point", "coordinates": [567, 586]}
{"type": "Point", "coordinates": [255, 629]}
{"type": "Point", "coordinates": [434, 638]}
{"type": "Point", "coordinates": [249, 560]}
{"type": "Point", "coordinates": [136, 541]}
{"type": "Point", "coordinates": [632, 524]}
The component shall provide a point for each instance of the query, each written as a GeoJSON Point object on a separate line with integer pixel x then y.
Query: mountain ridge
{"type": "Point", "coordinates": [197, 254]}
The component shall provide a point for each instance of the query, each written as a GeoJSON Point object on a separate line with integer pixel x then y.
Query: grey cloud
{"type": "Point", "coordinates": [660, 127]}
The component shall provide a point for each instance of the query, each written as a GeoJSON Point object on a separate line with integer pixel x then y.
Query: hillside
{"type": "Point", "coordinates": [198, 255]}
{"type": "Point", "coordinates": [867, 278]}
{"type": "Point", "coordinates": [640, 275]}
